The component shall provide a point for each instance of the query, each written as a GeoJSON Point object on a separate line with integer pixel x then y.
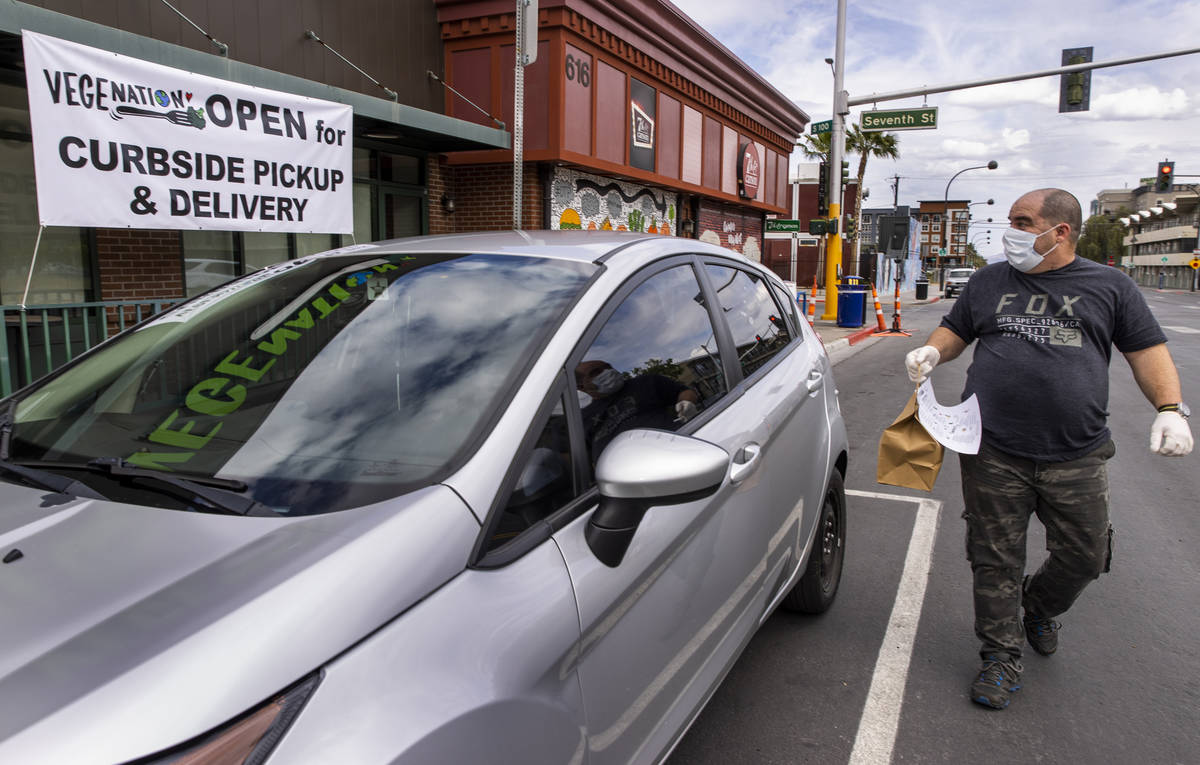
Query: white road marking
{"type": "Point", "coordinates": [876, 737]}
{"type": "Point", "coordinates": [1184, 330]}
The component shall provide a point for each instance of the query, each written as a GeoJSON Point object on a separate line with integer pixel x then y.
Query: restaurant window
{"type": "Point", "coordinates": [389, 195]}
{"type": "Point", "coordinates": [64, 269]}
{"type": "Point", "coordinates": [211, 258]}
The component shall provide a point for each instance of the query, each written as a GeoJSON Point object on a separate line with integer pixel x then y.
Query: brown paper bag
{"type": "Point", "coordinates": [908, 455]}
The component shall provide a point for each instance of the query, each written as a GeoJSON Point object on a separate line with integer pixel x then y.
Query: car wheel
{"type": "Point", "coordinates": [815, 591]}
{"type": "Point", "coordinates": [947, 294]}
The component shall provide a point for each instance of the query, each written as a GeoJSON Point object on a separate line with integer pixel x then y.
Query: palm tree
{"type": "Point", "coordinates": [816, 146]}
{"type": "Point", "coordinates": [865, 145]}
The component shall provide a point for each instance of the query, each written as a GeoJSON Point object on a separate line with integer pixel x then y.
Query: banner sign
{"type": "Point", "coordinates": [120, 142]}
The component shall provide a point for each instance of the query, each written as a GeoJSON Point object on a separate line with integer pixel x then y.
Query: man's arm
{"type": "Point", "coordinates": [1156, 375]}
{"type": "Point", "coordinates": [1158, 378]}
{"type": "Point", "coordinates": [948, 344]}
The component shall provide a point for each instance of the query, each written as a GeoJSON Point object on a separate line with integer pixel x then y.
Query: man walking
{"type": "Point", "coordinates": [1046, 322]}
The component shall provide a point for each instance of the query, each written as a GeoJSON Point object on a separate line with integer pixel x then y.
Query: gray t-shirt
{"type": "Point", "coordinates": [1040, 368]}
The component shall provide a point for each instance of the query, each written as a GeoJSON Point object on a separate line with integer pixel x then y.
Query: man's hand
{"type": "Point", "coordinates": [921, 362]}
{"type": "Point", "coordinates": [685, 410]}
{"type": "Point", "coordinates": [1170, 435]}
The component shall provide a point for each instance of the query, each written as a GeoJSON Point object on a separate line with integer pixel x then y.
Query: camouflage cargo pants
{"type": "Point", "coordinates": [1000, 493]}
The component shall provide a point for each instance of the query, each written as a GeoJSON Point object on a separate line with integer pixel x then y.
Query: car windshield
{"type": "Point", "coordinates": [322, 383]}
{"type": "Point", "coordinates": [961, 273]}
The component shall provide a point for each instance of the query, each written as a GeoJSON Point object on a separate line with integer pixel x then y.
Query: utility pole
{"type": "Point", "coordinates": [895, 193]}
{"type": "Point", "coordinates": [837, 142]}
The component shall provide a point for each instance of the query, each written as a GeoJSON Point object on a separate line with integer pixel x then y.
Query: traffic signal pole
{"type": "Point", "coordinates": [837, 144]}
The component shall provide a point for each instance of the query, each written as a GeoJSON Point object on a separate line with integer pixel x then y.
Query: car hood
{"type": "Point", "coordinates": [128, 629]}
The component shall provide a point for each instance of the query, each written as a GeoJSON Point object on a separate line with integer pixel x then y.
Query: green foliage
{"type": "Point", "coordinates": [666, 368]}
{"type": "Point", "coordinates": [1102, 238]}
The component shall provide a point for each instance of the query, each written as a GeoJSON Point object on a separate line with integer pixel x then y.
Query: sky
{"type": "Point", "coordinates": [1141, 114]}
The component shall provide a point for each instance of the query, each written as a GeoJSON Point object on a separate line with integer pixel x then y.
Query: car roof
{"type": "Point", "coordinates": [587, 246]}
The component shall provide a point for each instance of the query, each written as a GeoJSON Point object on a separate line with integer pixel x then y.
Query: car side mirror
{"type": "Point", "coordinates": [641, 469]}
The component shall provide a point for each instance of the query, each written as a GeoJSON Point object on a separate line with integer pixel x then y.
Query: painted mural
{"type": "Point", "coordinates": [583, 201]}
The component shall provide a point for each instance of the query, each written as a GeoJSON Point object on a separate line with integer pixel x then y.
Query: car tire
{"type": "Point", "coordinates": [817, 588]}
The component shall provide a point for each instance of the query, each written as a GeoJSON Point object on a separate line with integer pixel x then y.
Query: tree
{"type": "Point", "coordinates": [816, 146]}
{"type": "Point", "coordinates": [866, 145]}
{"type": "Point", "coordinates": [974, 259]}
{"type": "Point", "coordinates": [1102, 238]}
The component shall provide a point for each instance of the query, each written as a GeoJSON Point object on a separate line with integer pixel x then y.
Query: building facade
{"type": "Point", "coordinates": [1162, 226]}
{"type": "Point", "coordinates": [634, 119]}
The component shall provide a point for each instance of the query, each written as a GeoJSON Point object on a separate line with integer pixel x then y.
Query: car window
{"type": "Point", "coordinates": [322, 384]}
{"type": "Point", "coordinates": [759, 331]}
{"type": "Point", "coordinates": [787, 303]}
{"type": "Point", "coordinates": [544, 481]}
{"type": "Point", "coordinates": [654, 364]}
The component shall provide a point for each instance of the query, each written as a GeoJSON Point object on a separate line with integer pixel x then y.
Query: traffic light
{"type": "Point", "coordinates": [817, 226]}
{"type": "Point", "coordinates": [1075, 89]}
{"type": "Point", "coordinates": [1165, 177]}
{"type": "Point", "coordinates": [822, 195]}
{"type": "Point", "coordinates": [851, 226]}
{"type": "Point", "coordinates": [845, 173]}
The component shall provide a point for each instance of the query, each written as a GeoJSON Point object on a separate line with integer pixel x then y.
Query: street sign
{"type": "Point", "coordinates": [825, 126]}
{"type": "Point", "coordinates": [1195, 264]}
{"type": "Point", "coordinates": [1165, 258]}
{"type": "Point", "coordinates": [942, 251]}
{"type": "Point", "coordinates": [924, 118]}
{"type": "Point", "coordinates": [781, 224]}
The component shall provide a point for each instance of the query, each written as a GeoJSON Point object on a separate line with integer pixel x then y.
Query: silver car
{"type": "Point", "coordinates": [504, 498]}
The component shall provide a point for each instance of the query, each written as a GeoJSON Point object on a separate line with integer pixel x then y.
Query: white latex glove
{"type": "Point", "coordinates": [685, 410]}
{"type": "Point", "coordinates": [921, 362]}
{"type": "Point", "coordinates": [1170, 435]}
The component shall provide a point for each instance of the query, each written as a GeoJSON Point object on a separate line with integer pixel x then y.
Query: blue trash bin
{"type": "Point", "coordinates": [852, 302]}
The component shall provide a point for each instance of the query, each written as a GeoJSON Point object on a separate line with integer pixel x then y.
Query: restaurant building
{"type": "Point", "coordinates": [634, 118]}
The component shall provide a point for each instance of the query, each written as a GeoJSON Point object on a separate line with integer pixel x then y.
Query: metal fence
{"type": "Point", "coordinates": [41, 338]}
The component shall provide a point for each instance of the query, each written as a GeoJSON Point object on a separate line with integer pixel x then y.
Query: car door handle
{"type": "Point", "coordinates": [815, 380]}
{"type": "Point", "coordinates": [744, 462]}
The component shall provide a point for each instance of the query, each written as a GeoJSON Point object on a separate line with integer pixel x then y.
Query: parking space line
{"type": "Point", "coordinates": [876, 737]}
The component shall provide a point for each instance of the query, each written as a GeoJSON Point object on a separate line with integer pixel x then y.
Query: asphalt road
{"type": "Point", "coordinates": [1124, 686]}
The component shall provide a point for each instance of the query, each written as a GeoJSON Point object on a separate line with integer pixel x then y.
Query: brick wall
{"type": "Point", "coordinates": [138, 264]}
{"type": "Point", "coordinates": [483, 198]}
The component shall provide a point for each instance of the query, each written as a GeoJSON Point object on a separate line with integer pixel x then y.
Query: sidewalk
{"type": "Point", "coordinates": [835, 337]}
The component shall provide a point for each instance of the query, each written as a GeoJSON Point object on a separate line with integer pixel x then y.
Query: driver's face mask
{"type": "Point", "coordinates": [608, 382]}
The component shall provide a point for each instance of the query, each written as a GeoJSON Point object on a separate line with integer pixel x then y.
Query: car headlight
{"type": "Point", "coordinates": [245, 740]}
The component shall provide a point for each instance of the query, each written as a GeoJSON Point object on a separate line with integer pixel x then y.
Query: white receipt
{"type": "Point", "coordinates": [954, 427]}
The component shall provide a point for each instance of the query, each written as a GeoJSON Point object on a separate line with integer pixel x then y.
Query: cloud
{"type": "Point", "coordinates": [1014, 139]}
{"type": "Point", "coordinates": [955, 147]}
{"type": "Point", "coordinates": [1147, 103]}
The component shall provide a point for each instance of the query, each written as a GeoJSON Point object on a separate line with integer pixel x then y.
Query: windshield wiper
{"type": "Point", "coordinates": [44, 479]}
{"type": "Point", "coordinates": [207, 488]}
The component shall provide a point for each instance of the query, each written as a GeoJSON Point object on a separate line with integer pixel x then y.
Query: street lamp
{"type": "Point", "coordinates": [992, 165]}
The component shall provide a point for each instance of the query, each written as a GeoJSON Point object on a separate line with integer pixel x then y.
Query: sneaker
{"type": "Point", "coordinates": [998, 680]}
{"type": "Point", "coordinates": [1042, 634]}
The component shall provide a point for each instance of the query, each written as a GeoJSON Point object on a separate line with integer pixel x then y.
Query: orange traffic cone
{"type": "Point", "coordinates": [812, 302]}
{"type": "Point", "coordinates": [878, 310]}
{"type": "Point", "coordinates": [895, 330]}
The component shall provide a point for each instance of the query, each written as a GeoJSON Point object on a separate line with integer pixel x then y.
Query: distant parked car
{"type": "Point", "coordinates": [956, 281]}
{"type": "Point", "coordinates": [351, 509]}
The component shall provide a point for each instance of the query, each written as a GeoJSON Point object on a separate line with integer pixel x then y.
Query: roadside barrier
{"type": "Point", "coordinates": [895, 330]}
{"type": "Point", "coordinates": [812, 302]}
{"type": "Point", "coordinates": [878, 310]}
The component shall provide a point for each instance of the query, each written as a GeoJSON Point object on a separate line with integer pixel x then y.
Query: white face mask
{"type": "Point", "coordinates": [1018, 249]}
{"type": "Point", "coordinates": [608, 382]}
